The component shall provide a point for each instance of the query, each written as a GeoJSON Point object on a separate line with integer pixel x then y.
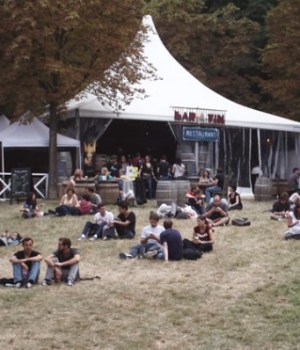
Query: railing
{"type": "Point", "coordinates": [40, 186]}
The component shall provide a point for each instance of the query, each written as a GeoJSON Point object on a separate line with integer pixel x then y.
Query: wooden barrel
{"type": "Point", "coordinates": [166, 192]}
{"type": "Point", "coordinates": [109, 191]}
{"type": "Point", "coordinates": [264, 189]}
{"type": "Point", "coordinates": [183, 186]}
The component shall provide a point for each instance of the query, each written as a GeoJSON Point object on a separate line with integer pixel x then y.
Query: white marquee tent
{"type": "Point", "coordinates": [35, 134]}
{"type": "Point", "coordinates": [177, 87]}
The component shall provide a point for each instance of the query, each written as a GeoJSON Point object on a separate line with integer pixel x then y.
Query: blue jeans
{"type": "Point", "coordinates": [210, 191]}
{"type": "Point", "coordinates": [64, 210]}
{"type": "Point", "coordinates": [148, 182]}
{"type": "Point", "coordinates": [32, 275]}
{"type": "Point", "coordinates": [98, 231]}
{"type": "Point", "coordinates": [70, 274]}
{"type": "Point", "coordinates": [135, 250]}
{"type": "Point", "coordinates": [124, 232]}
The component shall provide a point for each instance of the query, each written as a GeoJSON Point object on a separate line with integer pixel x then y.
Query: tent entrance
{"type": "Point", "coordinates": [132, 136]}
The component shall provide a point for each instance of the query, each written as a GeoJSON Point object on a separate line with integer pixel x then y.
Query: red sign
{"type": "Point", "coordinates": [199, 116]}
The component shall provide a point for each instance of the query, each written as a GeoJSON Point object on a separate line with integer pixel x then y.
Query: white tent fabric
{"type": "Point", "coordinates": [4, 122]}
{"type": "Point", "coordinates": [35, 134]}
{"type": "Point", "coordinates": [177, 87]}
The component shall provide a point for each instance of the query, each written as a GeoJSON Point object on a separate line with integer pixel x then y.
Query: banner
{"type": "Point", "coordinates": [200, 134]}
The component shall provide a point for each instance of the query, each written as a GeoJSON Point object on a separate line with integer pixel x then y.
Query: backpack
{"type": "Point", "coordinates": [191, 254]}
{"type": "Point", "coordinates": [240, 222]}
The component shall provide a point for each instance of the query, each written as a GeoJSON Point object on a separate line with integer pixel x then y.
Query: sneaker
{"type": "Point", "coordinates": [28, 285]}
{"type": "Point", "coordinates": [10, 285]}
{"type": "Point", "coordinates": [151, 254]}
{"type": "Point", "coordinates": [104, 238]}
{"type": "Point", "coordinates": [93, 238]}
{"type": "Point", "coordinates": [18, 285]}
{"type": "Point", "coordinates": [82, 237]}
{"type": "Point", "coordinates": [70, 283]}
{"type": "Point", "coordinates": [46, 283]}
{"type": "Point", "coordinates": [125, 256]}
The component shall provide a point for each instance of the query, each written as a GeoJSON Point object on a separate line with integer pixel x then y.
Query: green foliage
{"type": "Point", "coordinates": [281, 57]}
{"type": "Point", "coordinates": [51, 50]}
{"type": "Point", "coordinates": [217, 47]}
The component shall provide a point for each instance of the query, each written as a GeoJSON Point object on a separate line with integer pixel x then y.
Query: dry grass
{"type": "Point", "coordinates": [244, 295]}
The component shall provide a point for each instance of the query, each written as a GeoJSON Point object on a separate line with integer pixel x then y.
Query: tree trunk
{"type": "Point", "coordinates": [53, 191]}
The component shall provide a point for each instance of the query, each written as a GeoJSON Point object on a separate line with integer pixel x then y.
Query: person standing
{"type": "Point", "coordinates": [255, 173]}
{"type": "Point", "coordinates": [62, 264]}
{"type": "Point", "coordinates": [293, 181]}
{"type": "Point", "coordinates": [178, 170]}
{"type": "Point", "coordinates": [26, 265]}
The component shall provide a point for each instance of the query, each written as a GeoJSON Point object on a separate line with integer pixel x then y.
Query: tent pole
{"type": "Point", "coordinates": [77, 131]}
{"type": "Point", "coordinates": [259, 148]}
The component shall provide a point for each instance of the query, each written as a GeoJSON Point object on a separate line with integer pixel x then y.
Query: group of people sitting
{"type": "Point", "coordinates": [62, 265]}
{"type": "Point", "coordinates": [166, 243]}
{"type": "Point", "coordinates": [288, 207]}
{"type": "Point", "coordinates": [69, 204]}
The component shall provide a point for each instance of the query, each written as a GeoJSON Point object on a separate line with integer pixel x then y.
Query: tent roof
{"type": "Point", "coordinates": [4, 122]}
{"type": "Point", "coordinates": [35, 134]}
{"type": "Point", "coordinates": [177, 87]}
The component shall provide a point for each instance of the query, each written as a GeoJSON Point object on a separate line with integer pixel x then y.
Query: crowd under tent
{"type": "Point", "coordinates": [155, 124]}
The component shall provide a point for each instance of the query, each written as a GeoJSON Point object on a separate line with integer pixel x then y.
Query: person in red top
{"type": "Point", "coordinates": [203, 238]}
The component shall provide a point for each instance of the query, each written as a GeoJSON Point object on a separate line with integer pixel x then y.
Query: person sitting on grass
{"type": "Point", "coordinates": [83, 207]}
{"type": "Point", "coordinates": [26, 265]}
{"type": "Point", "coordinates": [102, 227]}
{"type": "Point", "coordinates": [171, 244]}
{"type": "Point", "coordinates": [62, 264]}
{"type": "Point", "coordinates": [94, 197]}
{"type": "Point", "coordinates": [203, 238]}
{"type": "Point", "coordinates": [150, 240]}
{"type": "Point", "coordinates": [195, 199]}
{"type": "Point", "coordinates": [281, 207]}
{"type": "Point", "coordinates": [30, 208]}
{"type": "Point", "coordinates": [216, 212]}
{"type": "Point", "coordinates": [234, 199]}
{"type": "Point", "coordinates": [10, 238]}
{"type": "Point", "coordinates": [125, 222]}
{"type": "Point", "coordinates": [293, 222]}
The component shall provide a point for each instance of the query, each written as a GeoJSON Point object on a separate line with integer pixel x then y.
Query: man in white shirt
{"type": "Point", "coordinates": [102, 227]}
{"type": "Point", "coordinates": [150, 239]}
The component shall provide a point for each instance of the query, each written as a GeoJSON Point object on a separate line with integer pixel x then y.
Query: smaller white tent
{"type": "Point", "coordinates": [4, 122]}
{"type": "Point", "coordinates": [35, 134]}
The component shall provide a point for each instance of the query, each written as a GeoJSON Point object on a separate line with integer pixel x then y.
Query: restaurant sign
{"type": "Point", "coordinates": [200, 134]}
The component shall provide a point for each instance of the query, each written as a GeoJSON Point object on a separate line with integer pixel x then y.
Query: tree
{"type": "Point", "coordinates": [281, 57]}
{"type": "Point", "coordinates": [217, 46]}
{"type": "Point", "coordinates": [53, 49]}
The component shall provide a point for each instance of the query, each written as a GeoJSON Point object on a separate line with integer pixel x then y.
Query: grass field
{"type": "Point", "coordinates": [243, 295]}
